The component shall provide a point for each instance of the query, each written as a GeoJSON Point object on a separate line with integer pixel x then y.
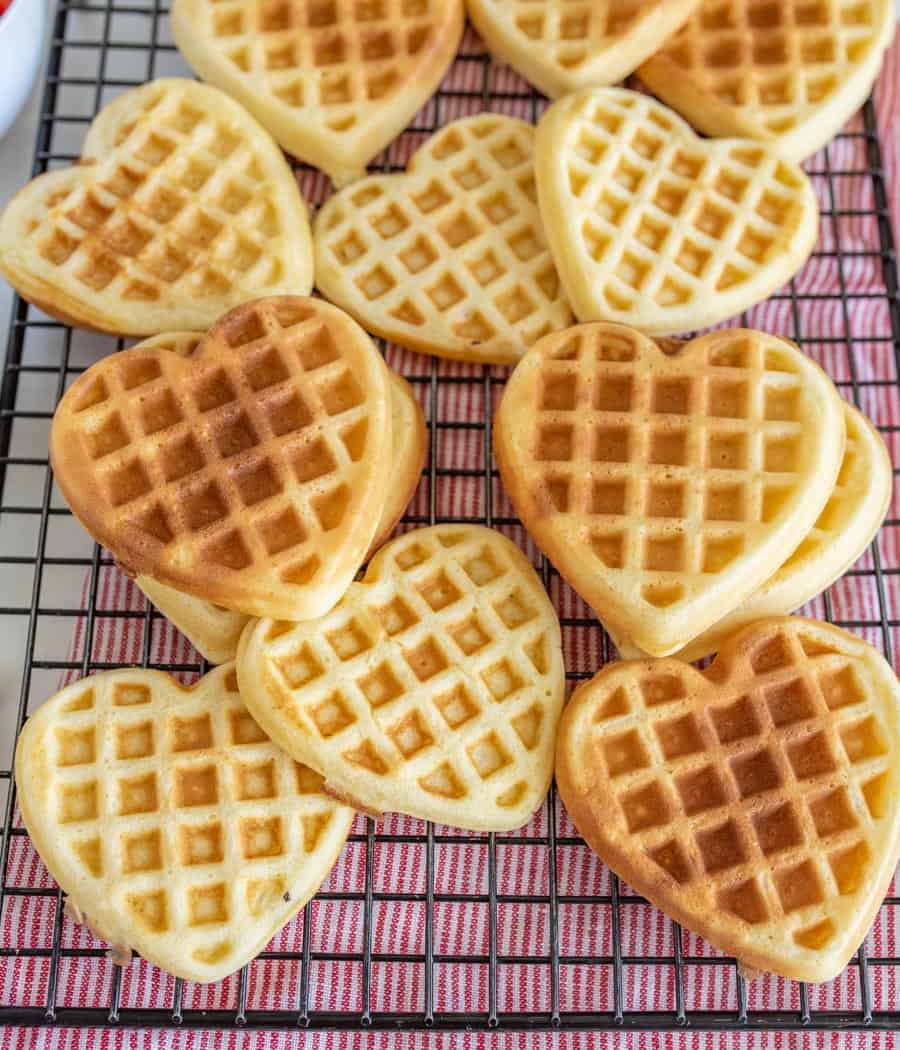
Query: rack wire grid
{"type": "Point", "coordinates": [626, 966]}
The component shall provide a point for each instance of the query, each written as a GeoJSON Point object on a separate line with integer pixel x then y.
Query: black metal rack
{"type": "Point", "coordinates": [103, 46]}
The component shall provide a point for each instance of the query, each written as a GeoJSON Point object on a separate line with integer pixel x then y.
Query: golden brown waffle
{"type": "Point", "coordinates": [853, 514]}
{"type": "Point", "coordinates": [654, 227]}
{"type": "Point", "coordinates": [756, 802]}
{"type": "Point", "coordinates": [666, 488]}
{"type": "Point", "coordinates": [450, 258]}
{"type": "Point", "coordinates": [214, 631]}
{"type": "Point", "coordinates": [181, 207]}
{"type": "Point", "coordinates": [245, 474]}
{"type": "Point", "coordinates": [173, 823]}
{"type": "Point", "coordinates": [564, 45]}
{"type": "Point", "coordinates": [335, 81]}
{"type": "Point", "coordinates": [433, 687]}
{"type": "Point", "coordinates": [784, 71]}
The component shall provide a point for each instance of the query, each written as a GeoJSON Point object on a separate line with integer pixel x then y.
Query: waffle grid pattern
{"type": "Point", "coordinates": [222, 622]}
{"type": "Point", "coordinates": [680, 498]}
{"type": "Point", "coordinates": [356, 53]}
{"type": "Point", "coordinates": [244, 462]}
{"type": "Point", "coordinates": [447, 645]}
{"type": "Point", "coordinates": [775, 62]}
{"type": "Point", "coordinates": [339, 964]}
{"type": "Point", "coordinates": [184, 811]}
{"type": "Point", "coordinates": [562, 45]}
{"type": "Point", "coordinates": [453, 254]}
{"type": "Point", "coordinates": [179, 182]}
{"type": "Point", "coordinates": [214, 630]}
{"type": "Point", "coordinates": [844, 527]}
{"type": "Point", "coordinates": [565, 29]}
{"type": "Point", "coordinates": [666, 218]}
{"type": "Point", "coordinates": [708, 796]}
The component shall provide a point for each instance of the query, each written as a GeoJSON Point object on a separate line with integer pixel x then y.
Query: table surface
{"type": "Point", "coordinates": [16, 150]}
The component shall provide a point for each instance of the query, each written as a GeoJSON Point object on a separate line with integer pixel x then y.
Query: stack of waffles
{"type": "Point", "coordinates": [243, 476]}
{"type": "Point", "coordinates": [238, 467]}
{"type": "Point", "coordinates": [248, 458]}
{"type": "Point", "coordinates": [686, 493]}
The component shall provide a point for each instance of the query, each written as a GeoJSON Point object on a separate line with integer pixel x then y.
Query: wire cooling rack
{"type": "Point", "coordinates": [560, 944]}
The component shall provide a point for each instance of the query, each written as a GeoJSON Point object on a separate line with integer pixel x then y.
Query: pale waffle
{"type": "Point", "coordinates": [755, 802]}
{"type": "Point", "coordinates": [245, 474]}
{"type": "Point", "coordinates": [433, 688]}
{"type": "Point", "coordinates": [654, 227]}
{"type": "Point", "coordinates": [335, 81]}
{"type": "Point", "coordinates": [852, 515]}
{"type": "Point", "coordinates": [449, 258]}
{"type": "Point", "coordinates": [666, 489]}
{"type": "Point", "coordinates": [791, 72]}
{"type": "Point", "coordinates": [173, 823]}
{"type": "Point", "coordinates": [212, 630]}
{"type": "Point", "coordinates": [215, 631]}
{"type": "Point", "coordinates": [181, 208]}
{"type": "Point", "coordinates": [561, 45]}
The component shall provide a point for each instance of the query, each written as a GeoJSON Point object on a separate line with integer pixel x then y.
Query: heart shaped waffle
{"type": "Point", "coordinates": [433, 687]}
{"type": "Point", "coordinates": [214, 631]}
{"type": "Point", "coordinates": [789, 72]}
{"type": "Point", "coordinates": [334, 81]}
{"type": "Point", "coordinates": [244, 474]}
{"type": "Point", "coordinates": [173, 823]}
{"type": "Point", "coordinates": [181, 207]}
{"type": "Point", "coordinates": [562, 46]}
{"type": "Point", "coordinates": [666, 488]}
{"type": "Point", "coordinates": [450, 258]}
{"type": "Point", "coordinates": [853, 514]}
{"type": "Point", "coordinates": [755, 802]}
{"type": "Point", "coordinates": [656, 228]}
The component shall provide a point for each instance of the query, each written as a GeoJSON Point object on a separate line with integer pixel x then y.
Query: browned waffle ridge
{"type": "Point", "coordinates": [790, 72]}
{"type": "Point", "coordinates": [245, 474]}
{"type": "Point", "coordinates": [215, 631]}
{"type": "Point", "coordinates": [756, 802]}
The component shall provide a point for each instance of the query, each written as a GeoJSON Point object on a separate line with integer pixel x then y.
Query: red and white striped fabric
{"type": "Point", "coordinates": [100, 1039]}
{"type": "Point", "coordinates": [851, 338]}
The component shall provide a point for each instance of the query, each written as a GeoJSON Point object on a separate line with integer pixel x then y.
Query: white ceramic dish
{"type": "Point", "coordinates": [22, 28]}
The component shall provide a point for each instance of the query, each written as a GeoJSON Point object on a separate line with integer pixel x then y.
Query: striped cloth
{"type": "Point", "coordinates": [851, 338]}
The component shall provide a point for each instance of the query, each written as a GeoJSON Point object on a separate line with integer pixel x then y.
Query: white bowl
{"type": "Point", "coordinates": [22, 29]}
